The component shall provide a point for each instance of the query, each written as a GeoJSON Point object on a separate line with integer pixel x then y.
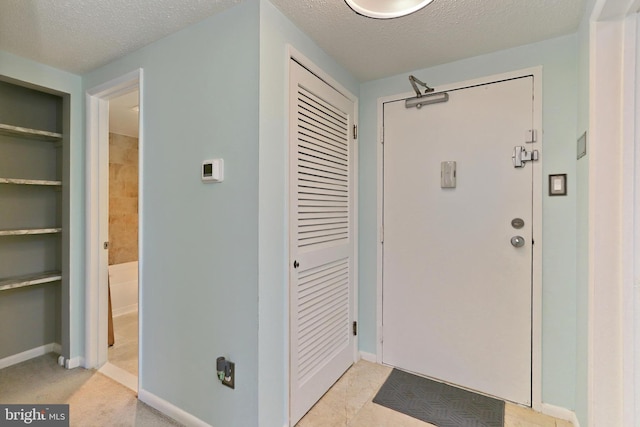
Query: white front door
{"type": "Point", "coordinates": [457, 293]}
{"type": "Point", "coordinates": [321, 238]}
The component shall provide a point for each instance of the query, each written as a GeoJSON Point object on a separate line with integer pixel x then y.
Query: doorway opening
{"type": "Point", "coordinates": [122, 326]}
{"type": "Point", "coordinates": [114, 152]}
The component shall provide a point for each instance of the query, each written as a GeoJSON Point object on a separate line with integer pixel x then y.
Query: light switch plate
{"type": "Point", "coordinates": [558, 185]}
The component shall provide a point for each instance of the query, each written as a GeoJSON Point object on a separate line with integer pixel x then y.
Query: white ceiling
{"type": "Point", "coordinates": [80, 35]}
{"type": "Point", "coordinates": [123, 114]}
{"type": "Point", "coordinates": [442, 32]}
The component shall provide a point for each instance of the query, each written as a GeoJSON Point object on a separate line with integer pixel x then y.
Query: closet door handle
{"type": "Point", "coordinates": [296, 264]}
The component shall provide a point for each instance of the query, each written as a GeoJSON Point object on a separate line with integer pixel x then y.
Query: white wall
{"type": "Point", "coordinates": [559, 60]}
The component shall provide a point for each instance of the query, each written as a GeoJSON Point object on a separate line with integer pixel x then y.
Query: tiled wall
{"type": "Point", "coordinates": [123, 199]}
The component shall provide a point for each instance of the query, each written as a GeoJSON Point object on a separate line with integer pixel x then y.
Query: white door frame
{"type": "Point", "coordinates": [536, 321]}
{"type": "Point", "coordinates": [614, 215]}
{"type": "Point", "coordinates": [97, 194]}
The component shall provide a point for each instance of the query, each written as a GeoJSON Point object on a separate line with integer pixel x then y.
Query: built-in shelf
{"type": "Point", "coordinates": [29, 280]}
{"type": "Point", "coordinates": [29, 133]}
{"type": "Point", "coordinates": [29, 182]}
{"type": "Point", "coordinates": [26, 231]}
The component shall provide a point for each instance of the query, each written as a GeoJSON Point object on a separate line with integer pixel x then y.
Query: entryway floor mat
{"type": "Point", "coordinates": [437, 403]}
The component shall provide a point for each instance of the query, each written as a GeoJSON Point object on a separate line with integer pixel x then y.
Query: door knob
{"type": "Point", "coordinates": [517, 241]}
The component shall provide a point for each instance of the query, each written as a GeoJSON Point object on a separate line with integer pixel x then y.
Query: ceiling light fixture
{"type": "Point", "coordinates": [386, 9]}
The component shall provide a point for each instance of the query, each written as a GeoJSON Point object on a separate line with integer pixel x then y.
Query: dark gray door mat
{"type": "Point", "coordinates": [437, 403]}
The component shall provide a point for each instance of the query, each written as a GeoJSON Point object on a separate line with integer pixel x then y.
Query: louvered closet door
{"type": "Point", "coordinates": [321, 238]}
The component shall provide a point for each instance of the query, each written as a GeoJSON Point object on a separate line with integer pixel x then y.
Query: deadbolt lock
{"type": "Point", "coordinates": [517, 223]}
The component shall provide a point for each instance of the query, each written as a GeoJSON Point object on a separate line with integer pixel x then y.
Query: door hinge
{"type": "Point", "coordinates": [355, 328]}
{"type": "Point", "coordinates": [520, 156]}
{"type": "Point", "coordinates": [355, 131]}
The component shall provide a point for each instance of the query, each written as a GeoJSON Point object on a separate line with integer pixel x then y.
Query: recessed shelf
{"type": "Point", "coordinates": [29, 133]}
{"type": "Point", "coordinates": [28, 231]}
{"type": "Point", "coordinates": [20, 181]}
{"type": "Point", "coordinates": [29, 280]}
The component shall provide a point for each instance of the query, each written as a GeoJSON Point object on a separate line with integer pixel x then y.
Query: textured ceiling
{"type": "Point", "coordinates": [123, 117]}
{"type": "Point", "coordinates": [80, 35]}
{"type": "Point", "coordinates": [444, 31]}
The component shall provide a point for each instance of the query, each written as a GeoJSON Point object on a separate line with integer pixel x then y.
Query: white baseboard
{"type": "Point", "coordinates": [170, 410]}
{"type": "Point", "coordinates": [74, 362]}
{"type": "Point", "coordinates": [369, 357]}
{"type": "Point", "coordinates": [560, 413]}
{"type": "Point", "coordinates": [30, 354]}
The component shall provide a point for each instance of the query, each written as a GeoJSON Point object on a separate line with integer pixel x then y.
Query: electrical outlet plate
{"type": "Point", "coordinates": [231, 382]}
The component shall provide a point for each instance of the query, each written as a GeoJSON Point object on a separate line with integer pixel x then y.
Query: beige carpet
{"type": "Point", "coordinates": [94, 399]}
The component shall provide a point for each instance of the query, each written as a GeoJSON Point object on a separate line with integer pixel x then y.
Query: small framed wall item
{"type": "Point", "coordinates": [582, 146]}
{"type": "Point", "coordinates": [558, 185]}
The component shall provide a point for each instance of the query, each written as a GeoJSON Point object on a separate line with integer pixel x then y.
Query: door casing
{"type": "Point", "coordinates": [97, 145]}
{"type": "Point", "coordinates": [536, 320]}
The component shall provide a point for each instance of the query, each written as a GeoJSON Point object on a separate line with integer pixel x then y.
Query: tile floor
{"type": "Point", "coordinates": [349, 404]}
{"type": "Point", "coordinates": [124, 352]}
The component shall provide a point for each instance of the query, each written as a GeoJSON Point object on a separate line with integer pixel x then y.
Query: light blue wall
{"type": "Point", "coordinates": [582, 219]}
{"type": "Point", "coordinates": [200, 260]}
{"type": "Point", "coordinates": [207, 291]}
{"type": "Point", "coordinates": [32, 72]}
{"type": "Point", "coordinates": [276, 32]}
{"type": "Point", "coordinates": [559, 60]}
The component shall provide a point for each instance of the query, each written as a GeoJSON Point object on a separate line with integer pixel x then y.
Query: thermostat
{"type": "Point", "coordinates": [213, 170]}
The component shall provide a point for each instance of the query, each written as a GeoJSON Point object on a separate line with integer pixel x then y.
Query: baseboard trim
{"type": "Point", "coordinates": [72, 363]}
{"type": "Point", "coordinates": [170, 410]}
{"type": "Point", "coordinates": [30, 354]}
{"type": "Point", "coordinates": [560, 413]}
{"type": "Point", "coordinates": [369, 357]}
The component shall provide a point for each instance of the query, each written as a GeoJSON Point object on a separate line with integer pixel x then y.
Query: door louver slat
{"type": "Point", "coordinates": [323, 171]}
{"type": "Point", "coordinates": [321, 237]}
{"type": "Point", "coordinates": [323, 312]}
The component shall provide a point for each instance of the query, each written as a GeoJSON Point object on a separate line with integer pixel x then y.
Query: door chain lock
{"type": "Point", "coordinates": [521, 156]}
